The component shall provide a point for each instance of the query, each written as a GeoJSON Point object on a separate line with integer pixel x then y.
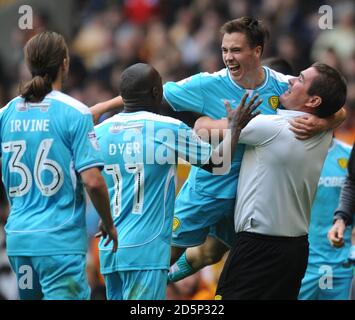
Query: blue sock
{"type": "Point", "coordinates": [180, 269]}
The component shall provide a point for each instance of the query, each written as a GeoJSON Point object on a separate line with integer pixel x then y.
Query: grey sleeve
{"type": "Point", "coordinates": [346, 207]}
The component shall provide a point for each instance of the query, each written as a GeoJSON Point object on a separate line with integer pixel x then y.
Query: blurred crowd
{"type": "Point", "coordinates": [180, 38]}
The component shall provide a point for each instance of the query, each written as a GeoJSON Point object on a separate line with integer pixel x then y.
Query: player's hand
{"type": "Point", "coordinates": [307, 126]}
{"type": "Point", "coordinates": [336, 234]}
{"type": "Point", "coordinates": [239, 117]}
{"type": "Point", "coordinates": [109, 233]}
{"type": "Point", "coordinates": [102, 232]}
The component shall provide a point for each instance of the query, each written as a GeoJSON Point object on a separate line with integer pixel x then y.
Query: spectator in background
{"type": "Point", "coordinates": [341, 38]}
{"type": "Point", "coordinates": [141, 11]}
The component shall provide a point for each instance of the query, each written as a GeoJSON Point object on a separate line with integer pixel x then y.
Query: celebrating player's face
{"type": "Point", "coordinates": [240, 59]}
{"type": "Point", "coordinates": [296, 97]}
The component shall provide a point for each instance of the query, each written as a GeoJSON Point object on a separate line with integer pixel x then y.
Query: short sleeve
{"type": "Point", "coordinates": [185, 95]}
{"type": "Point", "coordinates": [85, 147]}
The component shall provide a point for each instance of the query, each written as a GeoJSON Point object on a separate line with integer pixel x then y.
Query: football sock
{"type": "Point", "coordinates": [180, 269]}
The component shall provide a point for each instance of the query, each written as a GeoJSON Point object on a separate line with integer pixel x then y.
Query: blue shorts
{"type": "Point", "coordinates": [197, 216]}
{"type": "Point", "coordinates": [311, 288]}
{"type": "Point", "coordinates": [136, 285]}
{"type": "Point", "coordinates": [57, 277]}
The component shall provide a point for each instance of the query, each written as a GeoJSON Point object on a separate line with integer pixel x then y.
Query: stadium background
{"type": "Point", "coordinates": [179, 38]}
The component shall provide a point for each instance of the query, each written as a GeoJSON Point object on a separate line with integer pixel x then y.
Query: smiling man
{"type": "Point", "coordinates": [277, 183]}
{"type": "Point", "coordinates": [203, 217]}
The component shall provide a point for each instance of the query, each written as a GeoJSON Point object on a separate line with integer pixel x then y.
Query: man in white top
{"type": "Point", "coordinates": [277, 184]}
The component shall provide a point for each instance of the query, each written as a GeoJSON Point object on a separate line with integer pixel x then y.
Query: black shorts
{"type": "Point", "coordinates": [264, 267]}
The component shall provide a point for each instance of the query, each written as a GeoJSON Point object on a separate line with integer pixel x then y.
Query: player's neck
{"type": "Point", "coordinates": [57, 86]}
{"type": "Point", "coordinates": [58, 82]}
{"type": "Point", "coordinates": [254, 80]}
{"type": "Point", "coordinates": [128, 109]}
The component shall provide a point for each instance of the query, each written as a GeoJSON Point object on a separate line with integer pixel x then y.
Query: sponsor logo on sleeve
{"type": "Point", "coordinates": [93, 140]}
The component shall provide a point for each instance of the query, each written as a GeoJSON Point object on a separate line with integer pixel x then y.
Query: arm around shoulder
{"type": "Point", "coordinates": [100, 108]}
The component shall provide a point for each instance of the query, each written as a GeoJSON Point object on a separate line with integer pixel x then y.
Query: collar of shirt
{"type": "Point", "coordinates": [289, 114]}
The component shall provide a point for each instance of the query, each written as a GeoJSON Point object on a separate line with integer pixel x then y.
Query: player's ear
{"type": "Point", "coordinates": [313, 102]}
{"type": "Point", "coordinates": [258, 51]}
{"type": "Point", "coordinates": [155, 92]}
{"type": "Point", "coordinates": [65, 65]}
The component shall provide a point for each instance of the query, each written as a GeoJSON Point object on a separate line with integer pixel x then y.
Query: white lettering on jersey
{"type": "Point", "coordinates": [29, 125]}
{"type": "Point", "coordinates": [331, 181]}
{"type": "Point", "coordinates": [129, 148]}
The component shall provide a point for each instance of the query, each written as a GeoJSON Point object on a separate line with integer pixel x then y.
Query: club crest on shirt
{"type": "Point", "coordinates": [343, 163]}
{"type": "Point", "coordinates": [274, 102]}
{"type": "Point", "coordinates": [176, 223]}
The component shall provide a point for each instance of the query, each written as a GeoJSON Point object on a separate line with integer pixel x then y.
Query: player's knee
{"type": "Point", "coordinates": [212, 251]}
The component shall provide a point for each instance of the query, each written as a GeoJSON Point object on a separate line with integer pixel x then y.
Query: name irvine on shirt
{"type": "Point", "coordinates": [29, 125]}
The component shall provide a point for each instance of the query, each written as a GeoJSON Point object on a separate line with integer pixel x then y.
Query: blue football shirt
{"type": "Point", "coordinates": [325, 203]}
{"type": "Point", "coordinates": [44, 147]}
{"type": "Point", "coordinates": [205, 93]}
{"type": "Point", "coordinates": [140, 152]}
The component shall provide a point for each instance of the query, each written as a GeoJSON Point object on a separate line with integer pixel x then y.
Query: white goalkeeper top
{"type": "Point", "coordinates": [278, 177]}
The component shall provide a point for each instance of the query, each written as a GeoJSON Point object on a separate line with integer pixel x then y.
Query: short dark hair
{"type": "Point", "coordinates": [278, 64]}
{"type": "Point", "coordinates": [254, 30]}
{"type": "Point", "coordinates": [330, 85]}
{"type": "Point", "coordinates": [137, 83]}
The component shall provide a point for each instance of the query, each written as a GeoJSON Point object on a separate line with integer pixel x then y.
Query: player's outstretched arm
{"type": "Point", "coordinates": [100, 108]}
{"type": "Point", "coordinates": [211, 125]}
{"type": "Point", "coordinates": [309, 125]}
{"type": "Point", "coordinates": [97, 190]}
